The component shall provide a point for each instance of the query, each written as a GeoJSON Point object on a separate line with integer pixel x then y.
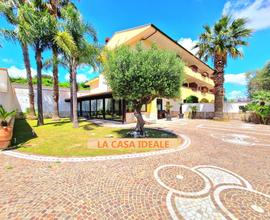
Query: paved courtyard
{"type": "Point", "coordinates": [222, 171]}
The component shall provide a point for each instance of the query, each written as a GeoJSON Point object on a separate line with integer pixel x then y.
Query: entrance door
{"type": "Point", "coordinates": [160, 111]}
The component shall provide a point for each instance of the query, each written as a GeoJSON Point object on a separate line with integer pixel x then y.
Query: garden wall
{"type": "Point", "coordinates": [21, 93]}
{"type": "Point", "coordinates": [206, 110]}
{"type": "Point", "coordinates": [209, 107]}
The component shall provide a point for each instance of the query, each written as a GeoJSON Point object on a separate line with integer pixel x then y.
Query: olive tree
{"type": "Point", "coordinates": [139, 75]}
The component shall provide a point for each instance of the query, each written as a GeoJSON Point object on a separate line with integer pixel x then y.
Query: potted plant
{"type": "Point", "coordinates": [181, 115]}
{"type": "Point", "coordinates": [168, 107]}
{"type": "Point", "coordinates": [193, 111]}
{"type": "Point", "coordinates": [5, 128]}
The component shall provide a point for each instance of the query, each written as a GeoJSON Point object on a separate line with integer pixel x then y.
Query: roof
{"type": "Point", "coordinates": [140, 30]}
{"type": "Point", "coordinates": [91, 80]}
{"type": "Point", "coordinates": [180, 45]}
{"type": "Point", "coordinates": [134, 28]}
{"type": "Point", "coordinates": [86, 97]}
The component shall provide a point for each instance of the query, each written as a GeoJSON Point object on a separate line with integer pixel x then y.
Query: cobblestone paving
{"type": "Point", "coordinates": [223, 174]}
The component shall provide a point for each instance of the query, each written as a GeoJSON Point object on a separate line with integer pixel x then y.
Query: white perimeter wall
{"type": "Point", "coordinates": [47, 94]}
{"type": "Point", "coordinates": [209, 107]}
{"type": "Point", "coordinates": [203, 107]}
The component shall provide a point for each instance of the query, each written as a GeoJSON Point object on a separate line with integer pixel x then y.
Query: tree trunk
{"type": "Point", "coordinates": [219, 86]}
{"type": "Point", "coordinates": [55, 85]}
{"type": "Point", "coordinates": [31, 94]}
{"type": "Point", "coordinates": [74, 98]}
{"type": "Point", "coordinates": [140, 122]}
{"type": "Point", "coordinates": [39, 87]}
{"type": "Point", "coordinates": [71, 92]}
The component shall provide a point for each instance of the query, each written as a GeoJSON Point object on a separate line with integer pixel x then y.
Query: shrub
{"type": "Point", "coordinates": [168, 107]}
{"type": "Point", "coordinates": [243, 108]}
{"type": "Point", "coordinates": [192, 99]}
{"type": "Point", "coordinates": [204, 100]}
{"type": "Point", "coordinates": [193, 110]}
{"type": "Point", "coordinates": [5, 115]}
{"type": "Point", "coordinates": [261, 105]}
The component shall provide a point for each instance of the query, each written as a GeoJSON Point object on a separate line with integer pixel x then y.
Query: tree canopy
{"type": "Point", "coordinates": [259, 80]}
{"type": "Point", "coordinates": [140, 75]}
{"type": "Point", "coordinates": [192, 99]}
{"type": "Point", "coordinates": [47, 80]}
{"type": "Point", "coordinates": [223, 39]}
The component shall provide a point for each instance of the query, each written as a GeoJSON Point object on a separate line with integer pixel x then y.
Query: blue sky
{"type": "Point", "coordinates": [182, 20]}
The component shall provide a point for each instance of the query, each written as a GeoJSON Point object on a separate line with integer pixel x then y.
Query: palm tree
{"type": "Point", "coordinates": [80, 53]}
{"type": "Point", "coordinates": [7, 9]}
{"type": "Point", "coordinates": [54, 7]}
{"type": "Point", "coordinates": [64, 62]}
{"type": "Point", "coordinates": [37, 27]}
{"type": "Point", "coordinates": [224, 39]}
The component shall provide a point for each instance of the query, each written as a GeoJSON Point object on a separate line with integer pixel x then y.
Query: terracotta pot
{"type": "Point", "coordinates": [5, 136]}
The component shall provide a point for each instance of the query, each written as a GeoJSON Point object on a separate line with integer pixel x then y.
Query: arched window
{"type": "Point", "coordinates": [205, 74]}
{"type": "Point", "coordinates": [194, 68]}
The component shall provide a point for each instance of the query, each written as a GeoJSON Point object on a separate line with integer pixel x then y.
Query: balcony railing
{"type": "Point", "coordinates": [198, 76]}
{"type": "Point", "coordinates": [189, 91]}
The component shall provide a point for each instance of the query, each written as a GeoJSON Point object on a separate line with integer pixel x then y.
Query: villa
{"type": "Point", "coordinates": [99, 103]}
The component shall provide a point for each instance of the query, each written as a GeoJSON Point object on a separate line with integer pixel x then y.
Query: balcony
{"type": "Point", "coordinates": [198, 76]}
{"type": "Point", "coordinates": [188, 92]}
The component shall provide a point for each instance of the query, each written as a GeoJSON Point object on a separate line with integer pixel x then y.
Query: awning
{"type": "Point", "coordinates": [92, 96]}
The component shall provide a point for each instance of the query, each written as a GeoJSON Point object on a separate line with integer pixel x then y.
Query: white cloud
{"type": "Point", "coordinates": [256, 11]}
{"type": "Point", "coordinates": [91, 70]}
{"type": "Point", "coordinates": [7, 60]}
{"type": "Point", "coordinates": [16, 72]}
{"type": "Point", "coordinates": [80, 78]}
{"type": "Point", "coordinates": [236, 94]}
{"type": "Point", "coordinates": [239, 79]}
{"type": "Point", "coordinates": [85, 69]}
{"type": "Point", "coordinates": [188, 43]}
{"type": "Point", "coordinates": [67, 77]}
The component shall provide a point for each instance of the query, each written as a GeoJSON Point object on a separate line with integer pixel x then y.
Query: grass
{"type": "Point", "coordinates": [61, 139]}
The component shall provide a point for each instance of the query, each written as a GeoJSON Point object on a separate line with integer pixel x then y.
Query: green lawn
{"type": "Point", "coordinates": [61, 139]}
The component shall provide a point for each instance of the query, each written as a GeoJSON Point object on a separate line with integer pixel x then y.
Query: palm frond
{"type": "Point", "coordinates": [7, 10]}
{"type": "Point", "coordinates": [65, 41]}
{"type": "Point", "coordinates": [91, 31]}
{"type": "Point", "coordinates": [9, 35]}
{"type": "Point", "coordinates": [223, 39]}
{"type": "Point", "coordinates": [4, 115]}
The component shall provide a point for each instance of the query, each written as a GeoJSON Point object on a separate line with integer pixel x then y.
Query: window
{"type": "Point", "coordinates": [108, 108]}
{"type": "Point", "coordinates": [205, 74]}
{"type": "Point", "coordinates": [99, 108]}
{"type": "Point", "coordinates": [85, 108]}
{"type": "Point", "coordinates": [194, 68]}
{"type": "Point", "coordinates": [93, 108]}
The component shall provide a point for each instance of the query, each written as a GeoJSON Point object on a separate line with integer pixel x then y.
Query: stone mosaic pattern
{"type": "Point", "coordinates": [200, 208]}
{"type": "Point", "coordinates": [242, 203]}
{"type": "Point", "coordinates": [126, 188]}
{"type": "Point", "coordinates": [228, 194]}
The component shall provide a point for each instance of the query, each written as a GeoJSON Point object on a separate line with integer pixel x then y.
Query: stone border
{"type": "Point", "coordinates": [224, 187]}
{"type": "Point", "coordinates": [213, 194]}
{"type": "Point", "coordinates": [13, 153]}
{"type": "Point", "coordinates": [204, 191]}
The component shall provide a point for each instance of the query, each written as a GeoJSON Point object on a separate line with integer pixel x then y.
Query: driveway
{"type": "Point", "coordinates": [223, 174]}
